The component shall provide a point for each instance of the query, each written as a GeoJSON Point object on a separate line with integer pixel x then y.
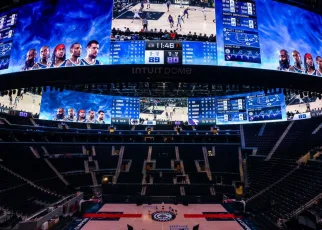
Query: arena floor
{"type": "Point", "coordinates": [138, 217]}
{"type": "Point", "coordinates": [180, 114]}
{"type": "Point", "coordinates": [195, 22]}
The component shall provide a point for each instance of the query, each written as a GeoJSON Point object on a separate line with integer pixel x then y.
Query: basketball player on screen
{"type": "Point", "coordinates": [44, 58]}
{"type": "Point", "coordinates": [59, 56]}
{"type": "Point", "coordinates": [148, 6]}
{"type": "Point", "coordinates": [92, 52]}
{"type": "Point", "coordinates": [136, 15]}
{"type": "Point", "coordinates": [60, 114]}
{"type": "Point", "coordinates": [284, 61]}
{"type": "Point", "coordinates": [319, 63]}
{"type": "Point", "coordinates": [204, 13]}
{"type": "Point", "coordinates": [75, 51]}
{"type": "Point", "coordinates": [297, 67]}
{"type": "Point", "coordinates": [309, 65]}
{"type": "Point", "coordinates": [81, 116]}
{"type": "Point", "coordinates": [71, 115]}
{"type": "Point", "coordinates": [101, 116]}
{"type": "Point", "coordinates": [170, 20]}
{"type": "Point", "coordinates": [179, 22]}
{"type": "Point", "coordinates": [91, 117]}
{"type": "Point", "coordinates": [30, 60]}
{"type": "Point", "coordinates": [168, 3]}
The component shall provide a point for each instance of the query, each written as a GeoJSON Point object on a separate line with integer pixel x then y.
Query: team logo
{"type": "Point", "coordinates": [163, 216]}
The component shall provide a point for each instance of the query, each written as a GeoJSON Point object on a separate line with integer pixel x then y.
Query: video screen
{"type": "Point", "coordinates": [303, 106]}
{"type": "Point", "coordinates": [201, 110]}
{"type": "Point", "coordinates": [163, 32]}
{"type": "Point", "coordinates": [21, 100]}
{"type": "Point", "coordinates": [163, 109]}
{"type": "Point", "coordinates": [262, 34]}
{"type": "Point", "coordinates": [71, 106]}
{"type": "Point", "coordinates": [51, 34]}
{"type": "Point", "coordinates": [268, 34]}
{"type": "Point", "coordinates": [250, 108]}
{"type": "Point", "coordinates": [124, 109]}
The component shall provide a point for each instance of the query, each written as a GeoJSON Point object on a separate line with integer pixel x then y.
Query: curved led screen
{"type": "Point", "coordinates": [263, 34]}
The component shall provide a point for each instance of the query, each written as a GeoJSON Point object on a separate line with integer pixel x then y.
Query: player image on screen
{"type": "Point", "coordinates": [71, 115]}
{"type": "Point", "coordinates": [81, 116]}
{"type": "Point", "coordinates": [297, 67]}
{"type": "Point", "coordinates": [136, 15]}
{"type": "Point", "coordinates": [60, 115]}
{"type": "Point", "coordinates": [284, 62]}
{"type": "Point", "coordinates": [309, 64]}
{"type": "Point", "coordinates": [319, 64]}
{"type": "Point", "coordinates": [44, 58]}
{"type": "Point", "coordinates": [30, 60]}
{"type": "Point", "coordinates": [168, 3]}
{"type": "Point", "coordinates": [75, 51]}
{"type": "Point", "coordinates": [91, 116]}
{"type": "Point", "coordinates": [92, 49]}
{"type": "Point", "coordinates": [164, 109]}
{"type": "Point", "coordinates": [101, 117]}
{"type": "Point", "coordinates": [59, 56]}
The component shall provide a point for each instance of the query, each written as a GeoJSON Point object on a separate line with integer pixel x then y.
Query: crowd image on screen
{"type": "Point", "coordinates": [62, 56]}
{"type": "Point", "coordinates": [125, 34]}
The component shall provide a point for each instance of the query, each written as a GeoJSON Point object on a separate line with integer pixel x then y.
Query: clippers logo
{"type": "Point", "coordinates": [163, 216]}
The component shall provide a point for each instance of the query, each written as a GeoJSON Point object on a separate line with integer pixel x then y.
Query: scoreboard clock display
{"type": "Point", "coordinates": [154, 57]}
{"type": "Point", "coordinates": [163, 52]}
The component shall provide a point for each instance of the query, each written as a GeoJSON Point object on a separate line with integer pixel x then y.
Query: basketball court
{"type": "Point", "coordinates": [28, 103]}
{"type": "Point", "coordinates": [161, 217]}
{"type": "Point", "coordinates": [174, 113]}
{"type": "Point", "coordinates": [157, 16]}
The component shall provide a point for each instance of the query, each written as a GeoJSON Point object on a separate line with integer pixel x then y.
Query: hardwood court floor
{"type": "Point", "coordinates": [140, 219]}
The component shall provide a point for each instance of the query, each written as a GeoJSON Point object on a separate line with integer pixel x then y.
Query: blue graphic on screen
{"type": "Point", "coordinates": [65, 22]}
{"type": "Point", "coordinates": [126, 107]}
{"type": "Point", "coordinates": [250, 108]}
{"type": "Point", "coordinates": [281, 29]}
{"type": "Point", "coordinates": [199, 53]}
{"type": "Point", "coordinates": [71, 106]}
{"type": "Point", "coordinates": [127, 52]}
{"type": "Point", "coordinates": [201, 110]}
{"type": "Point", "coordinates": [263, 107]}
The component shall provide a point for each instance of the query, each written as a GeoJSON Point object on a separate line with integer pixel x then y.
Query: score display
{"type": "Point", "coordinates": [231, 110]}
{"type": "Point", "coordinates": [240, 31]}
{"type": "Point", "coordinates": [201, 110]}
{"type": "Point", "coordinates": [7, 30]}
{"type": "Point", "coordinates": [250, 108]}
{"type": "Point", "coordinates": [124, 109]}
{"type": "Point", "coordinates": [163, 52]}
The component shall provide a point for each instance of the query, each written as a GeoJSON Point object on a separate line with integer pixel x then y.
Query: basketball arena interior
{"type": "Point", "coordinates": [161, 114]}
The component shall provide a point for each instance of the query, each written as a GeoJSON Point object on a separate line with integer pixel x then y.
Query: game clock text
{"type": "Point", "coordinates": [163, 52]}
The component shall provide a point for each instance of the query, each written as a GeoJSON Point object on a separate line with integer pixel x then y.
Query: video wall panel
{"type": "Point", "coordinates": [71, 106]}
{"type": "Point", "coordinates": [268, 34]}
{"type": "Point", "coordinates": [264, 34]}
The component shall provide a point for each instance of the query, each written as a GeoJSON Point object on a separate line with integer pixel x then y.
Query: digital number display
{"type": "Point", "coordinates": [202, 110]}
{"type": "Point", "coordinates": [127, 52]}
{"type": "Point", "coordinates": [199, 53]}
